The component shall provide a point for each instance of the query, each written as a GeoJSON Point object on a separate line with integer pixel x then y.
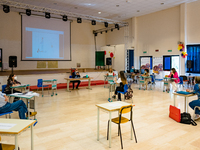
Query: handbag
{"type": "Point", "coordinates": [175, 113]}
{"type": "Point", "coordinates": [186, 119]}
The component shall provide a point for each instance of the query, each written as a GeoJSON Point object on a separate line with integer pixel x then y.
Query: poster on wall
{"type": "Point", "coordinates": [145, 62]}
{"type": "Point", "coordinates": [157, 64]}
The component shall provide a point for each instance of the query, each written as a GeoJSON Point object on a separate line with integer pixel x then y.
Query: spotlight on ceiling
{"type": "Point", "coordinates": [79, 20]}
{"type": "Point", "coordinates": [116, 26]}
{"type": "Point", "coordinates": [95, 34]}
{"type": "Point", "coordinates": [6, 8]}
{"type": "Point", "coordinates": [106, 24]}
{"type": "Point", "coordinates": [106, 31]}
{"type": "Point", "coordinates": [101, 32]}
{"type": "Point", "coordinates": [47, 15]}
{"type": "Point", "coordinates": [93, 22]}
{"type": "Point", "coordinates": [111, 30]}
{"type": "Point", "coordinates": [64, 18]}
{"type": "Point", "coordinates": [28, 12]}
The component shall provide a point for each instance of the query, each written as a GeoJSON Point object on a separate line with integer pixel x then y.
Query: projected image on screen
{"type": "Point", "coordinates": [44, 39]}
{"type": "Point", "coordinates": [46, 43]}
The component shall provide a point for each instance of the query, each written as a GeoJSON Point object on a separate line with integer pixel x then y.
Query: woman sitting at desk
{"type": "Point", "coordinates": [110, 72]}
{"type": "Point", "coordinates": [19, 106]}
{"type": "Point", "coordinates": [173, 74]}
{"type": "Point", "coordinates": [146, 74]}
{"type": "Point", "coordinates": [194, 103]}
{"type": "Point", "coordinates": [12, 82]}
{"type": "Point", "coordinates": [122, 81]}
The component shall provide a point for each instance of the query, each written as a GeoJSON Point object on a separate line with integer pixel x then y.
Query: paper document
{"type": "Point", "coordinates": [6, 126]}
{"type": "Point", "coordinates": [114, 104]}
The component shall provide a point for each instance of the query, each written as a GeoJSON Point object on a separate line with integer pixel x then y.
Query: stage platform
{"type": "Point", "coordinates": [49, 71]}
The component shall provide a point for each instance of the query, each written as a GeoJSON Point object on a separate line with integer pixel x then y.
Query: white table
{"type": "Point", "coordinates": [27, 97]}
{"type": "Point", "coordinates": [20, 125]}
{"type": "Point", "coordinates": [20, 87]}
{"type": "Point", "coordinates": [110, 107]}
{"type": "Point", "coordinates": [186, 99]}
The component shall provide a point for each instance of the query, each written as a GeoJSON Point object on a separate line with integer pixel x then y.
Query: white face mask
{"type": "Point", "coordinates": [15, 78]}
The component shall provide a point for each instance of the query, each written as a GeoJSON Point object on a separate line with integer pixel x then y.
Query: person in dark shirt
{"type": "Point", "coordinates": [76, 74]}
{"type": "Point", "coordinates": [11, 82]}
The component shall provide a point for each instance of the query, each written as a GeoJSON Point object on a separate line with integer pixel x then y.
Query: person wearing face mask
{"type": "Point", "coordinates": [76, 74]}
{"type": "Point", "coordinates": [146, 74]}
{"type": "Point", "coordinates": [11, 82]}
{"type": "Point", "coordinates": [173, 74]}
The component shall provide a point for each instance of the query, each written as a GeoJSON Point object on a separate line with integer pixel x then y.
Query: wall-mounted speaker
{"type": "Point", "coordinates": [12, 61]}
{"type": "Point", "coordinates": [108, 61]}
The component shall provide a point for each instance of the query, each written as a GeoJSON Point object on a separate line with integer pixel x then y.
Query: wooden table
{"type": "Point", "coordinates": [186, 99]}
{"type": "Point", "coordinates": [75, 79]}
{"type": "Point", "coordinates": [110, 107]}
{"type": "Point", "coordinates": [16, 127]}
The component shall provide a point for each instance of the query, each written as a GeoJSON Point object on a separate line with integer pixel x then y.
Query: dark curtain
{"type": "Point", "coordinates": [193, 52]}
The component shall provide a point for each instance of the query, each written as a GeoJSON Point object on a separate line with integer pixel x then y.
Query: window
{"type": "Point", "coordinates": [171, 61]}
{"type": "Point", "coordinates": [193, 52]}
{"type": "Point", "coordinates": [146, 61]}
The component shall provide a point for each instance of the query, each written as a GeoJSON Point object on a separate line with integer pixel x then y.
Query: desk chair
{"type": "Point", "coordinates": [119, 120]}
{"type": "Point", "coordinates": [125, 90]}
{"type": "Point", "coordinates": [196, 107]}
{"type": "Point", "coordinates": [181, 81]}
{"type": "Point", "coordinates": [6, 146]}
{"type": "Point", "coordinates": [3, 88]}
{"type": "Point", "coordinates": [7, 113]}
{"type": "Point", "coordinates": [40, 85]}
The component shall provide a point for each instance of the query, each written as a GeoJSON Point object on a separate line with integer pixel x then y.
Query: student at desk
{"type": "Point", "coordinates": [132, 71]}
{"type": "Point", "coordinates": [122, 81]}
{"type": "Point", "coordinates": [11, 82]}
{"type": "Point", "coordinates": [110, 72]}
{"type": "Point", "coordinates": [146, 74]}
{"type": "Point", "coordinates": [194, 103]}
{"type": "Point", "coordinates": [173, 74]}
{"type": "Point", "coordinates": [76, 74]}
{"type": "Point", "coordinates": [19, 106]}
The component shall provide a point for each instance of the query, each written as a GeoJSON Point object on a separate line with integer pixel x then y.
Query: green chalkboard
{"type": "Point", "coordinates": [100, 58]}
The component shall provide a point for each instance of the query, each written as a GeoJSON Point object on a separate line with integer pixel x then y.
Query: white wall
{"type": "Point", "coordinates": [82, 42]}
{"type": "Point", "coordinates": [193, 22]}
{"type": "Point", "coordinates": [118, 61]}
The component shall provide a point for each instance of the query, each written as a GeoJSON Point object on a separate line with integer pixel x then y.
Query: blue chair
{"type": "Point", "coordinates": [125, 90]}
{"type": "Point", "coordinates": [7, 113]}
{"type": "Point", "coordinates": [70, 76]}
{"type": "Point", "coordinates": [181, 81]}
{"type": "Point", "coordinates": [40, 85]}
{"type": "Point", "coordinates": [3, 88]}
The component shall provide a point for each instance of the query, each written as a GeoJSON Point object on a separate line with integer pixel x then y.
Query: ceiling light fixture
{"type": "Point", "coordinates": [28, 12]}
{"type": "Point", "coordinates": [64, 18]}
{"type": "Point", "coordinates": [93, 22]}
{"type": "Point", "coordinates": [106, 24]}
{"type": "Point", "coordinates": [47, 15]}
{"type": "Point", "coordinates": [79, 20]}
{"type": "Point", "coordinates": [99, 12]}
{"type": "Point", "coordinates": [6, 8]}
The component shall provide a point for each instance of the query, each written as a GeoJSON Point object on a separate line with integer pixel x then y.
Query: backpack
{"type": "Point", "coordinates": [186, 119]}
{"type": "Point", "coordinates": [129, 94]}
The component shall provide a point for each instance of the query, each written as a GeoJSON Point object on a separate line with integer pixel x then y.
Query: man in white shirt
{"type": "Point", "coordinates": [19, 106]}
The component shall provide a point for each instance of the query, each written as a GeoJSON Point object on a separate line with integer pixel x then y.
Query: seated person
{"type": "Point", "coordinates": [194, 103]}
{"type": "Point", "coordinates": [146, 80]}
{"type": "Point", "coordinates": [132, 71]}
{"type": "Point", "coordinates": [19, 106]}
{"type": "Point", "coordinates": [11, 82]}
{"type": "Point", "coordinates": [173, 74]}
{"type": "Point", "coordinates": [76, 74]}
{"type": "Point", "coordinates": [110, 72]}
{"type": "Point", "coordinates": [122, 81]}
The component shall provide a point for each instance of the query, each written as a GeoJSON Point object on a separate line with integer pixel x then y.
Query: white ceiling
{"type": "Point", "coordinates": [127, 8]}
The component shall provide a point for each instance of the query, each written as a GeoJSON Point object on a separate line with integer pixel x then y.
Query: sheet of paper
{"type": "Point", "coordinates": [6, 126]}
{"type": "Point", "coordinates": [114, 104]}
